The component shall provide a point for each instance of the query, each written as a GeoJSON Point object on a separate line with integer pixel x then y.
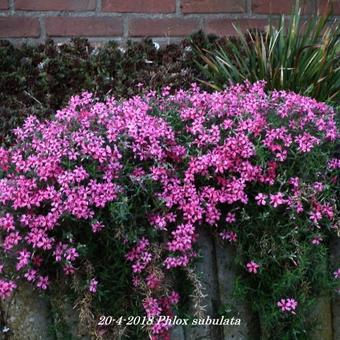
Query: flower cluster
{"type": "Point", "coordinates": [204, 154]}
{"type": "Point", "coordinates": [6, 288]}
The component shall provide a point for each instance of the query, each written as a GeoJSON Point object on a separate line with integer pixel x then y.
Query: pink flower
{"type": "Point", "coordinates": [136, 281]}
{"type": "Point", "coordinates": [277, 199]}
{"type": "Point", "coordinates": [37, 260]}
{"type": "Point", "coordinates": [71, 254]}
{"type": "Point", "coordinates": [93, 285]}
{"type": "Point", "coordinates": [252, 267]}
{"type": "Point", "coordinates": [31, 275]}
{"type": "Point", "coordinates": [138, 172]}
{"type": "Point", "coordinates": [153, 281]}
{"type": "Point", "coordinates": [174, 262]}
{"type": "Point", "coordinates": [315, 216]}
{"type": "Point", "coordinates": [316, 240]}
{"type": "Point", "coordinates": [69, 269]}
{"type": "Point", "coordinates": [230, 236]}
{"type": "Point", "coordinates": [7, 223]}
{"type": "Point", "coordinates": [140, 256]}
{"type": "Point", "coordinates": [318, 187]}
{"type": "Point", "coordinates": [183, 238]}
{"type": "Point", "coordinates": [97, 226]}
{"type": "Point", "coordinates": [6, 288]}
{"type": "Point", "coordinates": [4, 159]}
{"type": "Point", "coordinates": [294, 181]}
{"type": "Point", "coordinates": [287, 305]}
{"type": "Point", "coordinates": [173, 298]}
{"type": "Point", "coordinates": [230, 217]}
{"type": "Point", "coordinates": [159, 222]}
{"type": "Point", "coordinates": [151, 307]}
{"type": "Point", "coordinates": [42, 282]}
{"type": "Point", "coordinates": [337, 273]}
{"type": "Point", "coordinates": [23, 259]}
{"type": "Point", "coordinates": [334, 163]}
{"type": "Point", "coordinates": [306, 142]}
{"type": "Point", "coordinates": [261, 199]}
{"type": "Point", "coordinates": [11, 240]}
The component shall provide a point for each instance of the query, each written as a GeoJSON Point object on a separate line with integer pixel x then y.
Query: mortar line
{"type": "Point", "coordinates": [178, 7]}
{"type": "Point", "coordinates": [99, 6]}
{"type": "Point", "coordinates": [43, 35]}
{"type": "Point", "coordinates": [11, 6]}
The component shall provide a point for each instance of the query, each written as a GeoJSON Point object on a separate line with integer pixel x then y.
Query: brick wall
{"type": "Point", "coordinates": [163, 20]}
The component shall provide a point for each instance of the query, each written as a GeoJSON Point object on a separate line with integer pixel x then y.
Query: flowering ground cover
{"type": "Point", "coordinates": [141, 176]}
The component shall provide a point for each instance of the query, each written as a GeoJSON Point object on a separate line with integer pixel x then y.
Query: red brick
{"type": "Point", "coordinates": [213, 6]}
{"type": "Point", "coordinates": [3, 4]}
{"type": "Point", "coordinates": [173, 27]}
{"type": "Point", "coordinates": [84, 26]}
{"type": "Point", "coordinates": [139, 6]}
{"type": "Point", "coordinates": [225, 26]}
{"type": "Point", "coordinates": [55, 5]}
{"type": "Point", "coordinates": [16, 27]}
{"type": "Point", "coordinates": [281, 7]}
{"type": "Point", "coordinates": [325, 5]}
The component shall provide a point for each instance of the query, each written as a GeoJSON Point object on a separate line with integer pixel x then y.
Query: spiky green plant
{"type": "Point", "coordinates": [299, 55]}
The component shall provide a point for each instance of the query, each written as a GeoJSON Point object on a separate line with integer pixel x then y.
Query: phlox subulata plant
{"type": "Point", "coordinates": [257, 170]}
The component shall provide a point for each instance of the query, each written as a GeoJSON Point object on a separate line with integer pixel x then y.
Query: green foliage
{"type": "Point", "coordinates": [299, 55]}
{"type": "Point", "coordinates": [290, 264]}
{"type": "Point", "coordinates": [125, 220]}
